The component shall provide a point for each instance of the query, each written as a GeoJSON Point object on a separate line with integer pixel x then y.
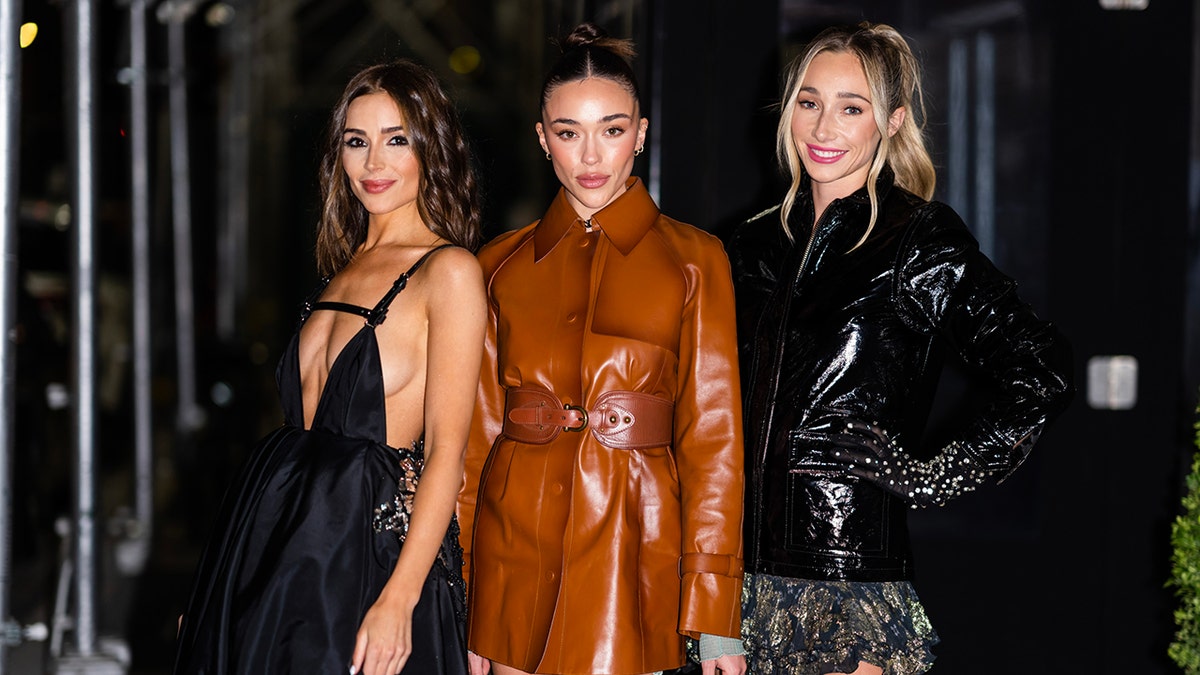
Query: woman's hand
{"type": "Point", "coordinates": [726, 665]}
{"type": "Point", "coordinates": [478, 665]}
{"type": "Point", "coordinates": [384, 640]}
{"type": "Point", "coordinates": [870, 453]}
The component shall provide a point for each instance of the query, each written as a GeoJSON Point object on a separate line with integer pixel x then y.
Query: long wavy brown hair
{"type": "Point", "coordinates": [448, 195]}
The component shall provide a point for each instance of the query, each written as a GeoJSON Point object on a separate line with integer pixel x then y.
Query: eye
{"type": "Point", "coordinates": [806, 104]}
{"type": "Point", "coordinates": [853, 110]}
{"type": "Point", "coordinates": [614, 131]}
{"type": "Point", "coordinates": [354, 142]}
{"type": "Point", "coordinates": [566, 134]}
{"type": "Point", "coordinates": [398, 140]}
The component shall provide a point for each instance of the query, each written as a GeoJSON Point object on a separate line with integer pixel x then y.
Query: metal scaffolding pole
{"type": "Point", "coordinates": [189, 415]}
{"type": "Point", "coordinates": [233, 168]}
{"type": "Point", "coordinates": [84, 656]}
{"type": "Point", "coordinates": [81, 65]}
{"type": "Point", "coordinates": [140, 210]}
{"type": "Point", "coordinates": [9, 150]}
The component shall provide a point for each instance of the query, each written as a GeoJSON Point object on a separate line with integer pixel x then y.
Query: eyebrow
{"type": "Point", "coordinates": [840, 94]}
{"type": "Point", "coordinates": [386, 130]}
{"type": "Point", "coordinates": [606, 118]}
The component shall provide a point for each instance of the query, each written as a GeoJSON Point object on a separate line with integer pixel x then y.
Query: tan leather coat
{"type": "Point", "coordinates": [583, 558]}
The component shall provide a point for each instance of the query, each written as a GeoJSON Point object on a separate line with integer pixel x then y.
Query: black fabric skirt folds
{"type": "Point", "coordinates": [293, 564]}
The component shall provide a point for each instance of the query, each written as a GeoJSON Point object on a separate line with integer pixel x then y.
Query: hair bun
{"type": "Point", "coordinates": [588, 34]}
{"type": "Point", "coordinates": [583, 35]}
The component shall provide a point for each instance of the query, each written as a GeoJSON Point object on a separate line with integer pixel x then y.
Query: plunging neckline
{"type": "Point", "coordinates": [356, 373]}
{"type": "Point", "coordinates": [278, 588]}
{"type": "Point", "coordinates": [329, 374]}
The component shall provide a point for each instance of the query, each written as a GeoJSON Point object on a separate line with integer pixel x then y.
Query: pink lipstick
{"type": "Point", "coordinates": [591, 181]}
{"type": "Point", "coordinates": [374, 187]}
{"type": "Point", "coordinates": [824, 155]}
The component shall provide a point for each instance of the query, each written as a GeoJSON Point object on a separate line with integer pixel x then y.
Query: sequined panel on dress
{"type": "Point", "coordinates": [396, 515]}
{"type": "Point", "coordinates": [802, 627]}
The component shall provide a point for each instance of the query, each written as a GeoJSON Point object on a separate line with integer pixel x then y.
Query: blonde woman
{"type": "Point", "coordinates": [849, 293]}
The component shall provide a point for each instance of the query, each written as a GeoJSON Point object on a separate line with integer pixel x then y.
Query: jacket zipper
{"type": "Point", "coordinates": [775, 368]}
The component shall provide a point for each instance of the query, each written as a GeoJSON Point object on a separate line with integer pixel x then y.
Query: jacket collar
{"type": "Point", "coordinates": [883, 184]}
{"type": "Point", "coordinates": [853, 209]}
{"type": "Point", "coordinates": [625, 221]}
{"type": "Point", "coordinates": [843, 223]}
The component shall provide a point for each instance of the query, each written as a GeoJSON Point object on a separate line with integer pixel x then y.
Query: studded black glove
{"type": "Point", "coordinates": [867, 452]}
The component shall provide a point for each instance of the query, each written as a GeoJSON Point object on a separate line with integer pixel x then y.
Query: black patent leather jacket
{"type": "Point", "coordinates": [828, 333]}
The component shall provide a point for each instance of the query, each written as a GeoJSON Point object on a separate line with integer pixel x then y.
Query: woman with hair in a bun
{"type": "Point", "coordinates": [602, 511]}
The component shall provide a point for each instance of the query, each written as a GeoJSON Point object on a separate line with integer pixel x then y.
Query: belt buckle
{"type": "Point", "coordinates": [582, 411]}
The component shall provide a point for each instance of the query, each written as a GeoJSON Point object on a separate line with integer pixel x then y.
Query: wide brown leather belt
{"type": "Point", "coordinates": [626, 420]}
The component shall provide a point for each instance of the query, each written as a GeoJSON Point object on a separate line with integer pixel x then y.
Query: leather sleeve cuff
{"type": "Point", "coordinates": [711, 563]}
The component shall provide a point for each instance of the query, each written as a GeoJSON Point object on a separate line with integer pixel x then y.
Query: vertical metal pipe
{"type": "Point", "coordinates": [81, 63]}
{"type": "Point", "coordinates": [958, 127]}
{"type": "Point", "coordinates": [140, 260]}
{"type": "Point", "coordinates": [10, 109]}
{"type": "Point", "coordinates": [984, 222]}
{"type": "Point", "coordinates": [234, 172]}
{"type": "Point", "coordinates": [181, 214]}
{"type": "Point", "coordinates": [658, 54]}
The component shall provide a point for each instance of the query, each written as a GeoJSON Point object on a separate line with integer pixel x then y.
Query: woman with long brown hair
{"type": "Point", "coordinates": [336, 547]}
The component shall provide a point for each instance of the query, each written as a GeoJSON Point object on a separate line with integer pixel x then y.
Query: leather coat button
{"type": "Point", "coordinates": [557, 488]}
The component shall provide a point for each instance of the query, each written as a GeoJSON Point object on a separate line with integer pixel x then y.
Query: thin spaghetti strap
{"type": "Point", "coordinates": [379, 313]}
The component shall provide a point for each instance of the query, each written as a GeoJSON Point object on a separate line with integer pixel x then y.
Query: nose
{"type": "Point", "coordinates": [373, 159]}
{"type": "Point", "coordinates": [823, 126]}
{"type": "Point", "coordinates": [591, 151]}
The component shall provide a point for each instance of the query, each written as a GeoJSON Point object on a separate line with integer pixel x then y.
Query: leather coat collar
{"type": "Point", "coordinates": [625, 221]}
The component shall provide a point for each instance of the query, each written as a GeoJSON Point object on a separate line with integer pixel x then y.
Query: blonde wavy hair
{"type": "Point", "coordinates": [893, 78]}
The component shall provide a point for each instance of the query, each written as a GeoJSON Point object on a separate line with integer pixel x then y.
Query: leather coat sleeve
{"type": "Point", "coordinates": [945, 285]}
{"type": "Point", "coordinates": [485, 427]}
{"type": "Point", "coordinates": [708, 449]}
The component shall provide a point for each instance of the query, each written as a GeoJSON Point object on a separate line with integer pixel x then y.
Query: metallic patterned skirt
{"type": "Point", "coordinates": [803, 627]}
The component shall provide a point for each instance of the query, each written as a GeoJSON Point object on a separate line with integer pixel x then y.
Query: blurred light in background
{"type": "Point", "coordinates": [220, 14]}
{"type": "Point", "coordinates": [464, 59]}
{"type": "Point", "coordinates": [28, 33]}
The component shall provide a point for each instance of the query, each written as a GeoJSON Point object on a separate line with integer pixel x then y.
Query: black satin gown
{"type": "Point", "coordinates": [309, 532]}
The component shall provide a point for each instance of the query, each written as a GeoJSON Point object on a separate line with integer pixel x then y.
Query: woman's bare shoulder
{"type": "Point", "coordinates": [454, 267]}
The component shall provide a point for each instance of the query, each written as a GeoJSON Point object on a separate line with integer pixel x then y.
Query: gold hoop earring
{"type": "Point", "coordinates": [638, 151]}
{"type": "Point", "coordinates": [548, 156]}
